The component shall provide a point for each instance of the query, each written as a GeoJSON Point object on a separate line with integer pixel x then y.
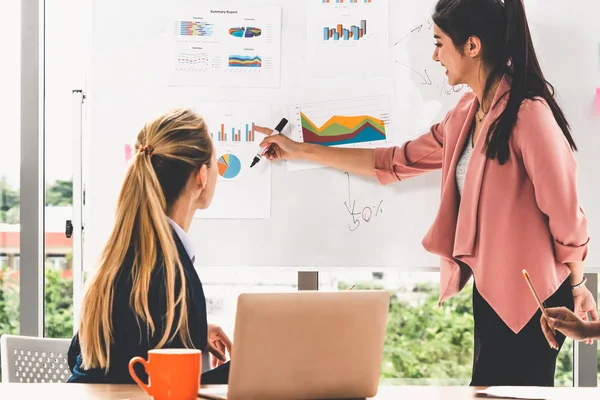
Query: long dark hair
{"type": "Point", "coordinates": [506, 49]}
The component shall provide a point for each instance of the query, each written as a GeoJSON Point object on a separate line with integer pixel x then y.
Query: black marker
{"type": "Point", "coordinates": [277, 130]}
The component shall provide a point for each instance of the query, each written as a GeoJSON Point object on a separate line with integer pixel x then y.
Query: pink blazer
{"type": "Point", "coordinates": [524, 214]}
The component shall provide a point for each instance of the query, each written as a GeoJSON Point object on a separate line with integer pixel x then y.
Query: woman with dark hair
{"type": "Point", "coordinates": [509, 188]}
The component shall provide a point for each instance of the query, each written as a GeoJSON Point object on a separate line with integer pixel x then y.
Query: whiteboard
{"type": "Point", "coordinates": [310, 225]}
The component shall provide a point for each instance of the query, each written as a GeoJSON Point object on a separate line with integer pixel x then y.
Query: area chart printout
{"type": "Point", "coordinates": [225, 46]}
{"type": "Point", "coordinates": [354, 122]}
{"type": "Point", "coordinates": [241, 192]}
{"type": "Point", "coordinates": [348, 38]}
{"type": "Point", "coordinates": [343, 130]}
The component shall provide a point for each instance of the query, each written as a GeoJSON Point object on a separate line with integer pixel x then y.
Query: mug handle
{"type": "Point", "coordinates": [134, 375]}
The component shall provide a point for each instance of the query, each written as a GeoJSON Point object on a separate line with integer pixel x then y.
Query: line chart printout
{"type": "Point", "coordinates": [226, 46]}
{"type": "Point", "coordinates": [348, 37]}
{"type": "Point", "coordinates": [241, 191]}
{"type": "Point", "coordinates": [362, 122]}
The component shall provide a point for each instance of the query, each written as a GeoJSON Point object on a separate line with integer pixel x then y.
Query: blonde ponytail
{"type": "Point", "coordinates": [170, 149]}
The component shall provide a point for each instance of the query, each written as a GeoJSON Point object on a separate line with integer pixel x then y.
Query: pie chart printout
{"type": "Point", "coordinates": [229, 166]}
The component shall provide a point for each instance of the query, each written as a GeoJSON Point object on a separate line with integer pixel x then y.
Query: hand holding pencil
{"type": "Point", "coordinates": [560, 319]}
{"type": "Point", "coordinates": [546, 329]}
{"type": "Point", "coordinates": [569, 324]}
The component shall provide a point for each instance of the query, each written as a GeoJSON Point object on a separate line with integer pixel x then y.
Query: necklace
{"type": "Point", "coordinates": [473, 135]}
{"type": "Point", "coordinates": [477, 114]}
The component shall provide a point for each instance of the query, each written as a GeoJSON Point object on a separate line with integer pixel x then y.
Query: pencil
{"type": "Point", "coordinates": [534, 292]}
{"type": "Point", "coordinates": [351, 287]}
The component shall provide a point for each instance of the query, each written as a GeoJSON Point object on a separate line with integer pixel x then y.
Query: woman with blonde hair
{"type": "Point", "coordinates": [146, 293]}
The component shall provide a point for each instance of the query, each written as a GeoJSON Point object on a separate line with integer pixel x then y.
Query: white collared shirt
{"type": "Point", "coordinates": [185, 239]}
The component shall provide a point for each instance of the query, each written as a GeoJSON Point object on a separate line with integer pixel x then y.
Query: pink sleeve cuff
{"type": "Point", "coordinates": [568, 253]}
{"type": "Point", "coordinates": [384, 164]}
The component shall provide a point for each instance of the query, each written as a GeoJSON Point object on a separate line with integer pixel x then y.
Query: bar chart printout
{"type": "Point", "coordinates": [243, 133]}
{"type": "Point", "coordinates": [241, 191]}
{"type": "Point", "coordinates": [195, 28]}
{"type": "Point", "coordinates": [354, 32]}
{"type": "Point", "coordinates": [347, 38]}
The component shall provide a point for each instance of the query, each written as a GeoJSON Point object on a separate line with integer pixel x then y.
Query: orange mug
{"type": "Point", "coordinates": [172, 373]}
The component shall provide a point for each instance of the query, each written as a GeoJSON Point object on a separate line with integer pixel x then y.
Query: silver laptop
{"type": "Point", "coordinates": [306, 345]}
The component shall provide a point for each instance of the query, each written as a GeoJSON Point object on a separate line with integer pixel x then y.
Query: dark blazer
{"type": "Point", "coordinates": [131, 338]}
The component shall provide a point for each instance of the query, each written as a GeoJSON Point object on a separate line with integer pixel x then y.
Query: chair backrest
{"type": "Point", "coordinates": [33, 359]}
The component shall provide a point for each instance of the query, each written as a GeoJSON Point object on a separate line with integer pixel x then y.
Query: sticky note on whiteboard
{"type": "Point", "coordinates": [128, 153]}
{"type": "Point", "coordinates": [597, 102]}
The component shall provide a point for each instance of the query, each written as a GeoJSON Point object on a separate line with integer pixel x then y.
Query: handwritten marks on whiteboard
{"type": "Point", "coordinates": [413, 52]}
{"type": "Point", "coordinates": [417, 30]}
{"type": "Point", "coordinates": [423, 74]}
{"type": "Point", "coordinates": [361, 214]}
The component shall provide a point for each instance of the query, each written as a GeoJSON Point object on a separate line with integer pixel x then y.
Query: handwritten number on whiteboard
{"type": "Point", "coordinates": [366, 214]}
{"type": "Point", "coordinates": [355, 221]}
{"type": "Point", "coordinates": [379, 209]}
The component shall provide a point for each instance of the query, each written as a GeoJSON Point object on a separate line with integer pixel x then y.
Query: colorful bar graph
{"type": "Point", "coordinates": [195, 28]}
{"type": "Point", "coordinates": [355, 32]}
{"type": "Point", "coordinates": [236, 134]}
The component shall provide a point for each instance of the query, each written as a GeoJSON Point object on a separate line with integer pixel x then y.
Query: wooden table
{"type": "Point", "coordinates": [10, 391]}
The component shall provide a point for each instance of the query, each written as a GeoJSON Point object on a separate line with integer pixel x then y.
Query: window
{"type": "Point", "coordinates": [56, 263]}
{"type": "Point", "coordinates": [223, 285]}
{"type": "Point", "coordinates": [65, 70]}
{"type": "Point", "coordinates": [10, 160]}
{"type": "Point", "coordinates": [425, 344]}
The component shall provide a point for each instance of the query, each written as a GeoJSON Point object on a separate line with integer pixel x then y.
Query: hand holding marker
{"type": "Point", "coordinates": [277, 130]}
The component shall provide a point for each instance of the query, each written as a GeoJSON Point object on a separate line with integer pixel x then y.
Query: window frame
{"type": "Point", "coordinates": [32, 169]}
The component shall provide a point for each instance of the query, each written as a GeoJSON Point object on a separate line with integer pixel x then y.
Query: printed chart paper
{"type": "Point", "coordinates": [241, 191]}
{"type": "Point", "coordinates": [226, 46]}
{"type": "Point", "coordinates": [362, 122]}
{"type": "Point", "coordinates": [348, 37]}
